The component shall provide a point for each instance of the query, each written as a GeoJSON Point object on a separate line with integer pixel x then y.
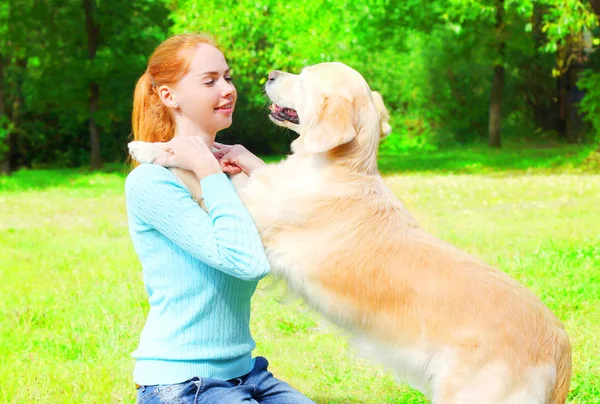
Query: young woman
{"type": "Point", "coordinates": [199, 269]}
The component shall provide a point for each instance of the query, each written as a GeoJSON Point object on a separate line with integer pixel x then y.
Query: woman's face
{"type": "Point", "coordinates": [206, 95]}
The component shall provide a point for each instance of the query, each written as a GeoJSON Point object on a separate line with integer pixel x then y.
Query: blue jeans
{"type": "Point", "coordinates": [258, 386]}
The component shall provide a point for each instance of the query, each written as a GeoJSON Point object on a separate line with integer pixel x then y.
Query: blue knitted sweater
{"type": "Point", "coordinates": [200, 271]}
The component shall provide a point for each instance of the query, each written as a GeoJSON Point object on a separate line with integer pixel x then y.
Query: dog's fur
{"type": "Point", "coordinates": [453, 327]}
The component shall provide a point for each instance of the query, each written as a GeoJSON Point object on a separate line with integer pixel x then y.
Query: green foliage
{"type": "Point", "coordinates": [50, 69]}
{"type": "Point", "coordinates": [5, 128]}
{"type": "Point", "coordinates": [564, 18]}
{"type": "Point", "coordinates": [590, 105]}
{"type": "Point", "coordinates": [259, 36]}
{"type": "Point", "coordinates": [432, 61]}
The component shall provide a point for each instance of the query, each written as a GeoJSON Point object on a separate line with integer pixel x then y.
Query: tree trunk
{"type": "Point", "coordinates": [536, 65]}
{"type": "Point", "coordinates": [13, 155]}
{"type": "Point", "coordinates": [596, 6]}
{"type": "Point", "coordinates": [541, 91]}
{"type": "Point", "coordinates": [495, 117]}
{"type": "Point", "coordinates": [574, 126]}
{"type": "Point", "coordinates": [6, 169]}
{"type": "Point", "coordinates": [2, 105]}
{"type": "Point", "coordinates": [93, 31]}
{"type": "Point", "coordinates": [572, 60]}
{"type": "Point", "coordinates": [96, 158]}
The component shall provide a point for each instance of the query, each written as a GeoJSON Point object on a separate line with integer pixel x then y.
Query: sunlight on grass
{"type": "Point", "coordinates": [72, 300]}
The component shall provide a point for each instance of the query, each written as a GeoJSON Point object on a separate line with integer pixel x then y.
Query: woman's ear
{"type": "Point", "coordinates": [167, 96]}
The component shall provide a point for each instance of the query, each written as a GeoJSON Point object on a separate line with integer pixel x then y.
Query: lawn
{"type": "Point", "coordinates": [72, 301]}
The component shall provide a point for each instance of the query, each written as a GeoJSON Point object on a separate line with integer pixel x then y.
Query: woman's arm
{"type": "Point", "coordinates": [225, 238]}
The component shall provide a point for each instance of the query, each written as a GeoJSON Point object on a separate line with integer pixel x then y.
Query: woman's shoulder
{"type": "Point", "coordinates": [146, 175]}
{"type": "Point", "coordinates": [145, 172]}
{"type": "Point", "coordinates": [148, 169]}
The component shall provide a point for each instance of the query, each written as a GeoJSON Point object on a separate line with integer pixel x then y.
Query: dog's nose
{"type": "Point", "coordinates": [273, 74]}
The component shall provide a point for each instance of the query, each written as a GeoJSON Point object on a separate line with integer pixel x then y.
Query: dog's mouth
{"type": "Point", "coordinates": [284, 114]}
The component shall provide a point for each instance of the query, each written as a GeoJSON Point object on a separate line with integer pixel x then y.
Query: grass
{"type": "Point", "coordinates": [511, 159]}
{"type": "Point", "coordinates": [72, 301]}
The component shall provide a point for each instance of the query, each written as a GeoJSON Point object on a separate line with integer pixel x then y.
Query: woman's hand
{"type": "Point", "coordinates": [236, 158]}
{"type": "Point", "coordinates": [189, 153]}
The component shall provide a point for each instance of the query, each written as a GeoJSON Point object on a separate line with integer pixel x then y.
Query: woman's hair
{"type": "Point", "coordinates": [170, 61]}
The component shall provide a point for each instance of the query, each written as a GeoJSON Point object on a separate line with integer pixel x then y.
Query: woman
{"type": "Point", "coordinates": [200, 269]}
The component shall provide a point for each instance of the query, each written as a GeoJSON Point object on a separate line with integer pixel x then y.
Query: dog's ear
{"type": "Point", "coordinates": [384, 115]}
{"type": "Point", "coordinates": [332, 125]}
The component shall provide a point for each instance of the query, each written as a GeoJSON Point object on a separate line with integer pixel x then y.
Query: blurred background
{"type": "Point", "coordinates": [452, 72]}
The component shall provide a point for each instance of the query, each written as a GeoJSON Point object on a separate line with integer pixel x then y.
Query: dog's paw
{"type": "Point", "coordinates": [144, 152]}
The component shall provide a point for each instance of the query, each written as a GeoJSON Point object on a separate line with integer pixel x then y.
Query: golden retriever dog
{"type": "Point", "coordinates": [452, 326]}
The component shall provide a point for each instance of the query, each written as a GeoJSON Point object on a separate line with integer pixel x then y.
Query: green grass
{"type": "Point", "coordinates": [511, 159]}
{"type": "Point", "coordinates": [72, 301]}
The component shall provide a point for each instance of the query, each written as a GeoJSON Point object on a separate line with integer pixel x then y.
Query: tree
{"type": "Point", "coordinates": [565, 23]}
{"type": "Point", "coordinates": [4, 120]}
{"type": "Point", "coordinates": [595, 6]}
{"type": "Point", "coordinates": [79, 79]}
{"type": "Point", "coordinates": [16, 33]}
{"type": "Point", "coordinates": [498, 80]}
{"type": "Point", "coordinates": [68, 67]}
{"type": "Point", "coordinates": [93, 31]}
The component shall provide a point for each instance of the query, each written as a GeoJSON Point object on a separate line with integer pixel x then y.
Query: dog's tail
{"type": "Point", "coordinates": [560, 390]}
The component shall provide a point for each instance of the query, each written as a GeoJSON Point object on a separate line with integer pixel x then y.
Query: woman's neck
{"type": "Point", "coordinates": [188, 128]}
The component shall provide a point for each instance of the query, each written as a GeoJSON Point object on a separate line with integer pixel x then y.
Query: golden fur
{"type": "Point", "coordinates": [452, 326]}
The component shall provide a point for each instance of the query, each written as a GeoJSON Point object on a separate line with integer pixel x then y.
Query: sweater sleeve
{"type": "Point", "coordinates": [226, 238]}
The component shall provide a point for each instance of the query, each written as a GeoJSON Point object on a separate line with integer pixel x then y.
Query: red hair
{"type": "Point", "coordinates": [170, 61]}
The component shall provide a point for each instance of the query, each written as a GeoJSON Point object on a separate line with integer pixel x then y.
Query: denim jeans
{"type": "Point", "coordinates": [258, 386]}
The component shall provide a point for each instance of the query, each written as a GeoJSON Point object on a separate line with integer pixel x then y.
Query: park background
{"type": "Point", "coordinates": [495, 108]}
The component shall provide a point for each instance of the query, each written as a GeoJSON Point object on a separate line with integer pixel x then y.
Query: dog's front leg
{"type": "Point", "coordinates": [239, 180]}
{"type": "Point", "coordinates": [257, 194]}
{"type": "Point", "coordinates": [146, 152]}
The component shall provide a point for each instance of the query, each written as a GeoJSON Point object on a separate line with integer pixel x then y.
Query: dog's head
{"type": "Point", "coordinates": [329, 105]}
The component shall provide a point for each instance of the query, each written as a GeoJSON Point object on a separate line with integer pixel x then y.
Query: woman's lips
{"type": "Point", "coordinates": [225, 109]}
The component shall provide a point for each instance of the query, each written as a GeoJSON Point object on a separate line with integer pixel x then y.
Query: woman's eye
{"type": "Point", "coordinates": [229, 79]}
{"type": "Point", "coordinates": [209, 82]}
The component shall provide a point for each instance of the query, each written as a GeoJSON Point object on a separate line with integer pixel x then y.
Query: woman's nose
{"type": "Point", "coordinates": [227, 88]}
